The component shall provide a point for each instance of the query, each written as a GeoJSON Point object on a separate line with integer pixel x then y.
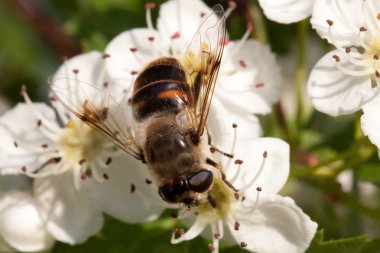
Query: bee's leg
{"type": "Point", "coordinates": [214, 149]}
{"type": "Point", "coordinates": [219, 167]}
{"type": "Point", "coordinates": [211, 200]}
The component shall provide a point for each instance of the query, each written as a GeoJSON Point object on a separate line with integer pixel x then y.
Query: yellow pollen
{"type": "Point", "coordinates": [223, 195]}
{"type": "Point", "coordinates": [79, 142]}
{"type": "Point", "coordinates": [373, 54]}
{"type": "Point", "coordinates": [378, 16]}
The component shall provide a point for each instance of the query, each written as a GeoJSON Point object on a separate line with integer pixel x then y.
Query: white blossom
{"type": "Point", "coordinates": [346, 79]}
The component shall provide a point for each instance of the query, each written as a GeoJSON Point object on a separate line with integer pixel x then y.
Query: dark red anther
{"type": "Point", "coordinates": [336, 58]}
{"type": "Point", "coordinates": [176, 35]}
{"type": "Point", "coordinates": [329, 22]}
{"type": "Point", "coordinates": [265, 154]}
{"type": "Point", "coordinates": [243, 64]}
{"type": "Point", "coordinates": [150, 5]}
{"type": "Point", "coordinates": [133, 188]}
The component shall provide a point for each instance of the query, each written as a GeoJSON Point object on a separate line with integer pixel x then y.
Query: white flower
{"type": "Point", "coordinates": [248, 84]}
{"type": "Point", "coordinates": [19, 209]}
{"type": "Point", "coordinates": [347, 79]}
{"type": "Point", "coordinates": [287, 11]}
{"type": "Point", "coordinates": [256, 218]}
{"type": "Point", "coordinates": [249, 78]}
{"type": "Point", "coordinates": [77, 172]}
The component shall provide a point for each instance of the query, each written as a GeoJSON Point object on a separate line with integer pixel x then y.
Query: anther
{"type": "Point", "coordinates": [243, 64]}
{"type": "Point", "coordinates": [15, 144]}
{"type": "Point", "coordinates": [223, 41]}
{"type": "Point", "coordinates": [234, 125]}
{"type": "Point", "coordinates": [174, 230]}
{"type": "Point", "coordinates": [83, 176]}
{"type": "Point", "coordinates": [243, 244]}
{"type": "Point", "coordinates": [211, 247]}
{"type": "Point", "coordinates": [133, 72]}
{"type": "Point", "coordinates": [52, 98]}
{"type": "Point", "coordinates": [202, 14]}
{"type": "Point", "coordinates": [44, 145]}
{"type": "Point", "coordinates": [181, 231]}
{"type": "Point", "coordinates": [147, 181]}
{"type": "Point", "coordinates": [23, 89]}
{"type": "Point", "coordinates": [232, 5]}
{"type": "Point", "coordinates": [249, 26]}
{"type": "Point", "coordinates": [176, 35]}
{"type": "Point", "coordinates": [378, 16]}
{"type": "Point", "coordinates": [81, 162]}
{"type": "Point", "coordinates": [133, 188]}
{"type": "Point", "coordinates": [150, 5]}
{"type": "Point", "coordinates": [330, 22]}
{"type": "Point", "coordinates": [105, 176]}
{"type": "Point", "coordinates": [217, 236]}
{"type": "Point", "coordinates": [133, 49]}
{"type": "Point", "coordinates": [236, 195]}
{"type": "Point", "coordinates": [238, 161]}
{"type": "Point", "coordinates": [75, 71]}
{"type": "Point", "coordinates": [336, 58]}
{"type": "Point", "coordinates": [375, 57]}
{"type": "Point", "coordinates": [151, 38]}
{"type": "Point", "coordinates": [265, 154]}
{"type": "Point", "coordinates": [39, 123]}
{"type": "Point", "coordinates": [259, 85]}
{"type": "Point", "coordinates": [363, 29]}
{"type": "Point", "coordinates": [105, 56]}
{"type": "Point", "coordinates": [259, 189]}
{"type": "Point", "coordinates": [377, 74]}
{"type": "Point", "coordinates": [23, 168]}
{"type": "Point", "coordinates": [105, 84]}
{"type": "Point", "coordinates": [348, 49]}
{"type": "Point", "coordinates": [108, 161]}
{"type": "Point", "coordinates": [237, 225]}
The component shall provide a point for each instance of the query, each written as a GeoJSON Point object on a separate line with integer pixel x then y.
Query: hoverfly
{"type": "Point", "coordinates": [170, 103]}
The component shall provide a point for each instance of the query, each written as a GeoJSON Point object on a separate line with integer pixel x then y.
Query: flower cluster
{"type": "Point", "coordinates": [62, 175]}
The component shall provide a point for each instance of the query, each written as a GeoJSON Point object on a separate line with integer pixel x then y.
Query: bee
{"type": "Point", "coordinates": [170, 103]}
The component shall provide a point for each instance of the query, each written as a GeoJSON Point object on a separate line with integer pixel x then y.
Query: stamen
{"type": "Point", "coordinates": [108, 161]}
{"type": "Point", "coordinates": [105, 176]}
{"type": "Point", "coordinates": [232, 150]}
{"type": "Point", "coordinates": [197, 228]}
{"type": "Point", "coordinates": [241, 42]}
{"type": "Point", "coordinates": [261, 168]}
{"type": "Point", "coordinates": [148, 14]}
{"type": "Point", "coordinates": [237, 225]}
{"type": "Point", "coordinates": [147, 181]}
{"type": "Point", "coordinates": [231, 7]}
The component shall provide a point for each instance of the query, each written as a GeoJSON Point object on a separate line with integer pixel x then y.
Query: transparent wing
{"type": "Point", "coordinates": [110, 115]}
{"type": "Point", "coordinates": [202, 62]}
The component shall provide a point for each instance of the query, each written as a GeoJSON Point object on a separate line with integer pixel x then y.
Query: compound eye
{"type": "Point", "coordinates": [200, 181]}
{"type": "Point", "coordinates": [166, 193]}
{"type": "Point", "coordinates": [179, 185]}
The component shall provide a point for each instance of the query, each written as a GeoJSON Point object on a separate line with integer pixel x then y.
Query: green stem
{"type": "Point", "coordinates": [329, 186]}
{"type": "Point", "coordinates": [300, 75]}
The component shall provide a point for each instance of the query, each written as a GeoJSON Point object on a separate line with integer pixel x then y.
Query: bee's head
{"type": "Point", "coordinates": [190, 190]}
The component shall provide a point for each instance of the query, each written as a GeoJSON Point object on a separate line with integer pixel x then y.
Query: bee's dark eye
{"type": "Point", "coordinates": [200, 181]}
{"type": "Point", "coordinates": [169, 191]}
{"type": "Point", "coordinates": [167, 194]}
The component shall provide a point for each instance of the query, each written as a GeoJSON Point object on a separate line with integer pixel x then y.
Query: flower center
{"type": "Point", "coordinates": [373, 53]}
{"type": "Point", "coordinates": [223, 196]}
{"type": "Point", "coordinates": [80, 143]}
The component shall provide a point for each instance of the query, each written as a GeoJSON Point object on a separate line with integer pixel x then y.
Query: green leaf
{"type": "Point", "coordinates": [370, 172]}
{"type": "Point", "coordinates": [357, 244]}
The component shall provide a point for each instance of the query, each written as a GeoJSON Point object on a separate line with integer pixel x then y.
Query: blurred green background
{"type": "Point", "coordinates": [36, 34]}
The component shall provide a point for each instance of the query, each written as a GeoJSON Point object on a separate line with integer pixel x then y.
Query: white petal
{"type": "Point", "coordinates": [115, 197]}
{"type": "Point", "coordinates": [347, 17]}
{"type": "Point", "coordinates": [270, 175]}
{"type": "Point", "coordinates": [21, 224]}
{"type": "Point", "coordinates": [220, 121]}
{"type": "Point", "coordinates": [334, 92]}
{"type": "Point", "coordinates": [11, 182]}
{"type": "Point", "coordinates": [123, 62]}
{"type": "Point", "coordinates": [370, 120]}
{"type": "Point", "coordinates": [20, 134]}
{"type": "Point", "coordinates": [256, 80]}
{"type": "Point", "coordinates": [184, 18]}
{"type": "Point", "coordinates": [71, 217]}
{"type": "Point", "coordinates": [287, 11]}
{"type": "Point", "coordinates": [278, 225]}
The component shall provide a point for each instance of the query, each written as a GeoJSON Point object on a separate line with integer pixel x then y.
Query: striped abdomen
{"type": "Point", "coordinates": [161, 87]}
